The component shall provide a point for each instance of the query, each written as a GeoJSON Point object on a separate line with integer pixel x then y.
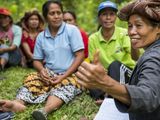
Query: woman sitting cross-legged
{"type": "Point", "coordinates": [60, 45]}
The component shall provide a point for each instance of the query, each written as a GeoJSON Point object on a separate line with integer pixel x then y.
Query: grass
{"type": "Point", "coordinates": [81, 106]}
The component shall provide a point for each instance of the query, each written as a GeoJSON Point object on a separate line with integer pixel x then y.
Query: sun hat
{"type": "Point", "coordinates": [4, 11]}
{"type": "Point", "coordinates": [107, 4]}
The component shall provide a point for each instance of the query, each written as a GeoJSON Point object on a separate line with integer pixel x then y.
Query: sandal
{"type": "Point", "coordinates": [39, 114]}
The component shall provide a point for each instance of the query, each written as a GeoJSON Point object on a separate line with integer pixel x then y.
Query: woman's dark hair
{"type": "Point", "coordinates": [72, 13]}
{"type": "Point", "coordinates": [154, 23]}
{"type": "Point", "coordinates": [26, 17]}
{"type": "Point", "coordinates": [11, 19]}
{"type": "Point", "coordinates": [99, 26]}
{"type": "Point", "coordinates": [45, 7]}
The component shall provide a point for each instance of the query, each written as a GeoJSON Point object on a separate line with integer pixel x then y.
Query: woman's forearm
{"type": "Point", "coordinates": [118, 91]}
{"type": "Point", "coordinates": [10, 48]}
{"type": "Point", "coordinates": [78, 60]}
{"type": "Point", "coordinates": [27, 50]}
{"type": "Point", "coordinates": [38, 65]}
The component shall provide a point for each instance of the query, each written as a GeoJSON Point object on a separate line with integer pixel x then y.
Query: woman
{"type": "Point", "coordinates": [61, 47]}
{"type": "Point", "coordinates": [71, 18]}
{"type": "Point", "coordinates": [114, 46]}
{"type": "Point", "coordinates": [140, 98]}
{"type": "Point", "coordinates": [10, 39]}
{"type": "Point", "coordinates": [32, 24]}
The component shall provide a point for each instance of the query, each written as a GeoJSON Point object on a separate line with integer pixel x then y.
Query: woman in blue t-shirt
{"type": "Point", "coordinates": [60, 45]}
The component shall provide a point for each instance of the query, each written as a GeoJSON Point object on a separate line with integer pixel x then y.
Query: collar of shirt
{"type": "Point", "coordinates": [103, 40]}
{"type": "Point", "coordinates": [61, 29]}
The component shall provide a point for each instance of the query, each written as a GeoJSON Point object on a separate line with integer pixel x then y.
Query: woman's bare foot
{"type": "Point", "coordinates": [14, 106]}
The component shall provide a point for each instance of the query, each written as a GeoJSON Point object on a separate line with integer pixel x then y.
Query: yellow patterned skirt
{"type": "Point", "coordinates": [34, 83]}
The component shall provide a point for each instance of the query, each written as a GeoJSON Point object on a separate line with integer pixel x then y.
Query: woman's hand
{"type": "Point", "coordinates": [93, 75]}
{"type": "Point", "coordinates": [48, 79]}
{"type": "Point", "coordinates": [45, 76]}
{"type": "Point", "coordinates": [57, 79]}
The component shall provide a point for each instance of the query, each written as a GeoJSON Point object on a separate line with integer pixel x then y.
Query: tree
{"type": "Point", "coordinates": [86, 10]}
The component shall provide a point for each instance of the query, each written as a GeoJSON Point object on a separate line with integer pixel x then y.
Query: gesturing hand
{"type": "Point", "coordinates": [92, 75]}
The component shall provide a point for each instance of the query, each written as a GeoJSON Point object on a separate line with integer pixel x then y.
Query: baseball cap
{"type": "Point", "coordinates": [4, 11]}
{"type": "Point", "coordinates": [107, 4]}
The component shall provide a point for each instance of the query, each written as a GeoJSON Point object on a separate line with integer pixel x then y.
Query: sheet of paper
{"type": "Point", "coordinates": [109, 111]}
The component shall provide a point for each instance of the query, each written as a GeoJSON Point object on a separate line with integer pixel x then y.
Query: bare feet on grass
{"type": "Point", "coordinates": [13, 106]}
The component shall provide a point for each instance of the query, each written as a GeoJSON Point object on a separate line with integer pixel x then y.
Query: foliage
{"type": "Point", "coordinates": [82, 106]}
{"type": "Point", "coordinates": [86, 10]}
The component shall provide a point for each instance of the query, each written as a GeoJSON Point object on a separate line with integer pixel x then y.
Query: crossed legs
{"type": "Point", "coordinates": [52, 103]}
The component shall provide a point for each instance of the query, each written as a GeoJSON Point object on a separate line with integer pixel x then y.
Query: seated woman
{"type": "Point", "coordinates": [32, 24]}
{"type": "Point", "coordinates": [114, 46]}
{"type": "Point", "coordinates": [71, 18]}
{"type": "Point", "coordinates": [10, 39]}
{"type": "Point", "coordinates": [140, 97]}
{"type": "Point", "coordinates": [60, 45]}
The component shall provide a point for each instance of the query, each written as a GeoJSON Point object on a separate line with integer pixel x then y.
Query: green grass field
{"type": "Point", "coordinates": [81, 106]}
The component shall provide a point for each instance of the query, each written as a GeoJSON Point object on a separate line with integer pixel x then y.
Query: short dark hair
{"type": "Point", "coordinates": [45, 7]}
{"type": "Point", "coordinates": [154, 23]}
{"type": "Point", "coordinates": [72, 13]}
